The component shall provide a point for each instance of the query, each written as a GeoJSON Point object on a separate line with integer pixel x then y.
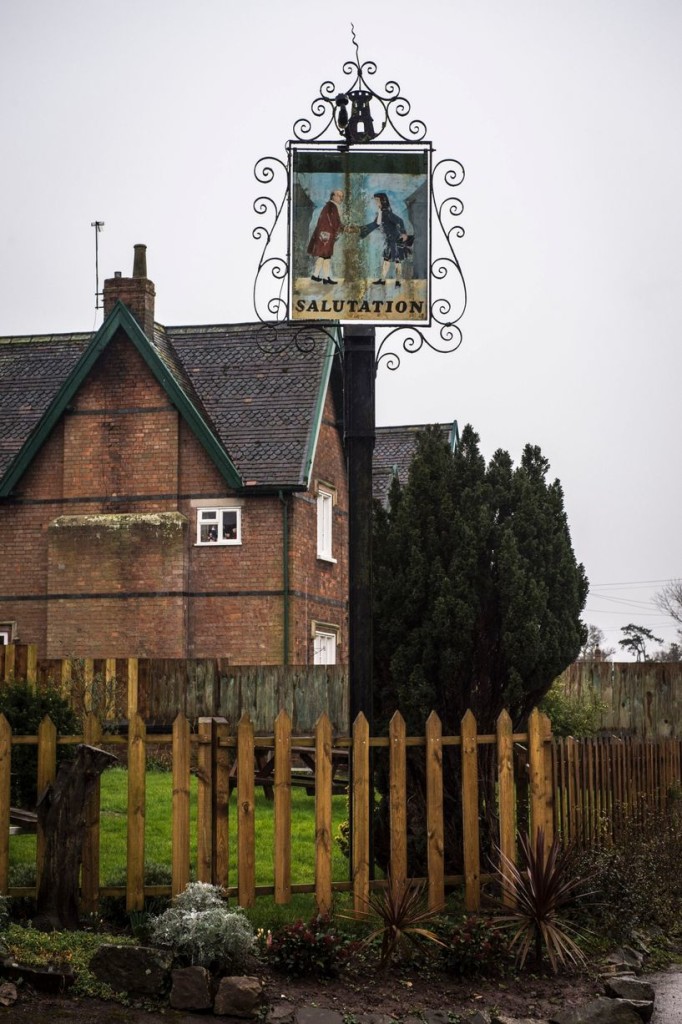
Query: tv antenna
{"type": "Point", "coordinates": [97, 225]}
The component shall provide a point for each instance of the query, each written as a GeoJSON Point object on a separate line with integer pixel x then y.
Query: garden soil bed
{"type": "Point", "coordinates": [398, 994]}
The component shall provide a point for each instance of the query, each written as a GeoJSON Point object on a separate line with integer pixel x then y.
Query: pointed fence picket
{"type": "Point", "coordinates": [583, 789]}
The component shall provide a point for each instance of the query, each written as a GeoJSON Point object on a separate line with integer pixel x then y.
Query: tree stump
{"type": "Point", "coordinates": [61, 815]}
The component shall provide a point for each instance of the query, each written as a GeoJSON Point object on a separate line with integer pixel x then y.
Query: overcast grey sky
{"type": "Point", "coordinates": [150, 115]}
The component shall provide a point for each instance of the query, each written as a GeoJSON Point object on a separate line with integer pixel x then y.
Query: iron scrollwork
{"type": "Point", "coordinates": [349, 113]}
{"type": "Point", "coordinates": [330, 109]}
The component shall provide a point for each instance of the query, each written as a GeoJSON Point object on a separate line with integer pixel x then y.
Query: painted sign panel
{"type": "Point", "coordinates": [359, 236]}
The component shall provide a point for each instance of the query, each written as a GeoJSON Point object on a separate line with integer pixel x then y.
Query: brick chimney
{"type": "Point", "coordinates": [136, 292]}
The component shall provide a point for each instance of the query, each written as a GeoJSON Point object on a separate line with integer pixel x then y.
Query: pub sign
{"type": "Point", "coordinates": [359, 240]}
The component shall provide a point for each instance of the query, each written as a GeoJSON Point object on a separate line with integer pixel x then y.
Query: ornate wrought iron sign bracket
{"type": "Point", "coordinates": [359, 224]}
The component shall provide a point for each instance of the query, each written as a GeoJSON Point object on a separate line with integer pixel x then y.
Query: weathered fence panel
{"type": "Point", "coordinates": [643, 698]}
{"type": "Point", "coordinates": [207, 687]}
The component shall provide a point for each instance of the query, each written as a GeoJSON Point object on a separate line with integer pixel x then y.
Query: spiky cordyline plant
{"type": "Point", "coordinates": [543, 886]}
{"type": "Point", "coordinates": [402, 914]}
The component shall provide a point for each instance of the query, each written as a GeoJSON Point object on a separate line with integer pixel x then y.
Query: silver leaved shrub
{"type": "Point", "coordinates": [202, 931]}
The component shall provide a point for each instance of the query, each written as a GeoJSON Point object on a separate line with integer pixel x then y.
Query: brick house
{"type": "Point", "coordinates": [174, 492]}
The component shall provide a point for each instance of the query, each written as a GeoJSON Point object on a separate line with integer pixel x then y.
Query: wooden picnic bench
{"type": "Point", "coordinates": [264, 758]}
{"type": "Point", "coordinates": [26, 821]}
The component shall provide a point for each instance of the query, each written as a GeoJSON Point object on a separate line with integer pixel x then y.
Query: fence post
{"type": "Point", "coordinates": [65, 680]}
{"type": "Point", "coordinates": [109, 695]}
{"type": "Point", "coordinates": [92, 735]}
{"type": "Point", "coordinates": [32, 666]}
{"type": "Point", "coordinates": [137, 757]}
{"type": "Point", "coordinates": [88, 681]}
{"type": "Point", "coordinates": [397, 795]}
{"type": "Point", "coordinates": [361, 818]}
{"type": "Point", "coordinates": [132, 687]}
{"type": "Point", "coordinates": [180, 809]}
{"type": "Point", "coordinates": [10, 658]}
{"type": "Point", "coordinates": [5, 800]}
{"type": "Point", "coordinates": [505, 790]}
{"type": "Point", "coordinates": [246, 851]}
{"type": "Point", "coordinates": [434, 812]}
{"type": "Point", "coordinates": [181, 796]}
{"type": "Point", "coordinates": [205, 801]}
{"type": "Point", "coordinates": [536, 758]}
{"type": "Point", "coordinates": [323, 814]}
{"type": "Point", "coordinates": [472, 853]}
{"type": "Point", "coordinates": [282, 832]}
{"type": "Point", "coordinates": [47, 769]}
{"type": "Point", "coordinates": [548, 775]}
{"type": "Point", "coordinates": [221, 802]}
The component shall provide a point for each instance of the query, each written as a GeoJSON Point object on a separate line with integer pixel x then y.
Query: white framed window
{"type": "Point", "coordinates": [7, 633]}
{"type": "Point", "coordinates": [326, 499]}
{"type": "Point", "coordinates": [219, 526]}
{"type": "Point", "coordinates": [324, 647]}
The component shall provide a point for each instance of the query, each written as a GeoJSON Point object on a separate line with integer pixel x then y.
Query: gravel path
{"type": "Point", "coordinates": [668, 988]}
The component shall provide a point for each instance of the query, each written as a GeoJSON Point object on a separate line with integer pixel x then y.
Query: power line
{"type": "Point", "coordinates": [637, 583]}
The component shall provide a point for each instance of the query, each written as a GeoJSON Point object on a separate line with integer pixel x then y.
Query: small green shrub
{"type": "Point", "coordinates": [572, 716]}
{"type": "Point", "coordinates": [636, 878]}
{"type": "Point", "coordinates": [24, 708]}
{"type": "Point", "coordinates": [300, 949]}
{"type": "Point", "coordinates": [201, 930]}
{"type": "Point", "coordinates": [342, 838]}
{"type": "Point", "coordinates": [475, 946]}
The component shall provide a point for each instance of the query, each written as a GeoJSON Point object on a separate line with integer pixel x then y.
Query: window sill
{"type": "Point", "coordinates": [326, 558]}
{"type": "Point", "coordinates": [217, 544]}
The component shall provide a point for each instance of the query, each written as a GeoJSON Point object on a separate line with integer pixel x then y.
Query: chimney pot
{"type": "Point", "coordinates": [136, 292]}
{"type": "Point", "coordinates": [140, 261]}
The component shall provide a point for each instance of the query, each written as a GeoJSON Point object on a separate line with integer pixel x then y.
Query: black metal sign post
{"type": "Point", "coordinates": [360, 253]}
{"type": "Point", "coordinates": [359, 371]}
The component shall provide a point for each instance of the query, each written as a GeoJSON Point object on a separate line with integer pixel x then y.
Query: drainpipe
{"type": "Point", "coordinates": [285, 576]}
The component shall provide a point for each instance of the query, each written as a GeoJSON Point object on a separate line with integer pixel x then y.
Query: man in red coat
{"type": "Point", "coordinates": [327, 230]}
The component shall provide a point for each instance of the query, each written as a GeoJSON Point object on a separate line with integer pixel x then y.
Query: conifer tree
{"type": "Point", "coordinates": [477, 598]}
{"type": "Point", "coordinates": [477, 591]}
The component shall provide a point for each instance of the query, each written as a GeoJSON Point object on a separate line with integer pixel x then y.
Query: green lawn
{"type": "Point", "coordinates": [158, 831]}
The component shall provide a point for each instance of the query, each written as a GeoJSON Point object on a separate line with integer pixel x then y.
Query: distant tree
{"type": "Point", "coordinates": [594, 648]}
{"type": "Point", "coordinates": [635, 639]}
{"type": "Point", "coordinates": [673, 652]}
{"type": "Point", "coordinates": [477, 593]}
{"type": "Point", "coordinates": [669, 600]}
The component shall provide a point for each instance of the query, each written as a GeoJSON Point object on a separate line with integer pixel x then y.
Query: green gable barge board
{"type": "Point", "coordinates": [120, 318]}
{"type": "Point", "coordinates": [319, 408]}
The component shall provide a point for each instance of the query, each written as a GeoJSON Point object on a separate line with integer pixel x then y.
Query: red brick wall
{"type": "Point", "coordinates": [320, 588]}
{"type": "Point", "coordinates": [121, 433]}
{"type": "Point", "coordinates": [102, 562]}
{"type": "Point", "coordinates": [120, 449]}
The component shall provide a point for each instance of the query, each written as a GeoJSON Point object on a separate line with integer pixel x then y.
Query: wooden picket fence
{"type": "Point", "coordinates": [603, 783]}
{"type": "Point", "coordinates": [216, 749]}
{"type": "Point", "coordinates": [583, 789]}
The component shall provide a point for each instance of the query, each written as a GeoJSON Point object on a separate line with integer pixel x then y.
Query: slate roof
{"type": "Point", "coordinates": [32, 369]}
{"type": "Point", "coordinates": [261, 396]}
{"type": "Point", "coordinates": [394, 450]}
{"type": "Point", "coordinates": [261, 401]}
